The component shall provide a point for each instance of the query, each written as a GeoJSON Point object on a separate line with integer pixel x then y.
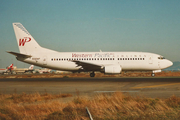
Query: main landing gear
{"type": "Point", "coordinates": [92, 74]}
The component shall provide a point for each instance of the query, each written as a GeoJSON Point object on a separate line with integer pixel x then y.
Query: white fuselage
{"type": "Point", "coordinates": [3, 71]}
{"type": "Point", "coordinates": [129, 61]}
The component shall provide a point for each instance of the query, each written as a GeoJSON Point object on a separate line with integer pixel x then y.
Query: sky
{"type": "Point", "coordinates": [93, 25]}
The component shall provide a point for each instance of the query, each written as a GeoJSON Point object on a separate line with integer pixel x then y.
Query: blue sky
{"type": "Point", "coordinates": [91, 25]}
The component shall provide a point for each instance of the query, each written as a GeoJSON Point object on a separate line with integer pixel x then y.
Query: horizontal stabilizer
{"type": "Point", "coordinates": [20, 55]}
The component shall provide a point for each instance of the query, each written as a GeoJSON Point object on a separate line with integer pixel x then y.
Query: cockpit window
{"type": "Point", "coordinates": [161, 57]}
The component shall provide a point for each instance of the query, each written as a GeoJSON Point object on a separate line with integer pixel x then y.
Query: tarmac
{"type": "Point", "coordinates": [153, 87]}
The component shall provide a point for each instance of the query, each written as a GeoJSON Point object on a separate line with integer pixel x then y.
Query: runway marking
{"type": "Point", "coordinates": [155, 86]}
{"type": "Point", "coordinates": [113, 91]}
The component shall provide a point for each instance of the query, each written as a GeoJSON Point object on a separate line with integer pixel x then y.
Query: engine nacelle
{"type": "Point", "coordinates": [112, 69]}
{"type": "Point", "coordinates": [156, 71]}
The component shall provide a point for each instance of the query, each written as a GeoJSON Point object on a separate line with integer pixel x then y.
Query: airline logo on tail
{"type": "Point", "coordinates": [31, 67]}
{"type": "Point", "coordinates": [24, 40]}
{"type": "Point", "coordinates": [10, 67]}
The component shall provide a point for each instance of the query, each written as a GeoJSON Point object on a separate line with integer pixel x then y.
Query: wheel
{"type": "Point", "coordinates": [152, 74]}
{"type": "Point", "coordinates": [92, 74]}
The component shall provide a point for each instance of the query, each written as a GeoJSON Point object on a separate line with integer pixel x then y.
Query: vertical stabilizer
{"type": "Point", "coordinates": [10, 67]}
{"type": "Point", "coordinates": [31, 67]}
{"type": "Point", "coordinates": [26, 43]}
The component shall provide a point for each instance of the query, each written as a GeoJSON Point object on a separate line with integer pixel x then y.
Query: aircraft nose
{"type": "Point", "coordinates": [165, 64]}
{"type": "Point", "coordinates": [170, 63]}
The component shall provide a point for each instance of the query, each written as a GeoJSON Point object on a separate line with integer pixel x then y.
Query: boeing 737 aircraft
{"type": "Point", "coordinates": [8, 69]}
{"type": "Point", "coordinates": [107, 62]}
{"type": "Point", "coordinates": [23, 70]}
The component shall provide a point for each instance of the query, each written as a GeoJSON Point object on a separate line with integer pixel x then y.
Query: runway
{"type": "Point", "coordinates": [148, 86]}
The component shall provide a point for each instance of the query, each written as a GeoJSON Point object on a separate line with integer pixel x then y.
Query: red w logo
{"type": "Point", "coordinates": [10, 67]}
{"type": "Point", "coordinates": [24, 40]}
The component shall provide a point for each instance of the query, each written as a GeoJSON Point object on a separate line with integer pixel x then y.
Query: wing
{"type": "Point", "coordinates": [88, 66]}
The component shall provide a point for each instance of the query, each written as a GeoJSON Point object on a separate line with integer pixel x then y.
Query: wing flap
{"type": "Point", "coordinates": [88, 66]}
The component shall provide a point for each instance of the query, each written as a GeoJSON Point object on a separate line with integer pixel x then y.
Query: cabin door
{"type": "Point", "coordinates": [150, 60]}
{"type": "Point", "coordinates": [45, 60]}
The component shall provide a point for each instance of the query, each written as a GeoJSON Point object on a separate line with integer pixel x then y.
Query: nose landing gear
{"type": "Point", "coordinates": [152, 74]}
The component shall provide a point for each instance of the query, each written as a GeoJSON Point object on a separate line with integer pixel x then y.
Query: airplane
{"type": "Point", "coordinates": [106, 62]}
{"type": "Point", "coordinates": [23, 70]}
{"type": "Point", "coordinates": [8, 69]}
{"type": "Point", "coordinates": [45, 70]}
{"type": "Point", "coordinates": [30, 69]}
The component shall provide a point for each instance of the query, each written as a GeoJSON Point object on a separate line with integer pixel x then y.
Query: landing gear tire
{"type": "Point", "coordinates": [92, 74]}
{"type": "Point", "coordinates": [152, 74]}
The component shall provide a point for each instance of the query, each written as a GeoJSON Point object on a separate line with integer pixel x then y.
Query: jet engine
{"type": "Point", "coordinates": [112, 69]}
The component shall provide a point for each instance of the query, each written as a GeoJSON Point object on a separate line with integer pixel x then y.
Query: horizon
{"type": "Point", "coordinates": [91, 26]}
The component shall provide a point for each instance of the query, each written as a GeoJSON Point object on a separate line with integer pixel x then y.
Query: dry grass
{"type": "Point", "coordinates": [102, 106]}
